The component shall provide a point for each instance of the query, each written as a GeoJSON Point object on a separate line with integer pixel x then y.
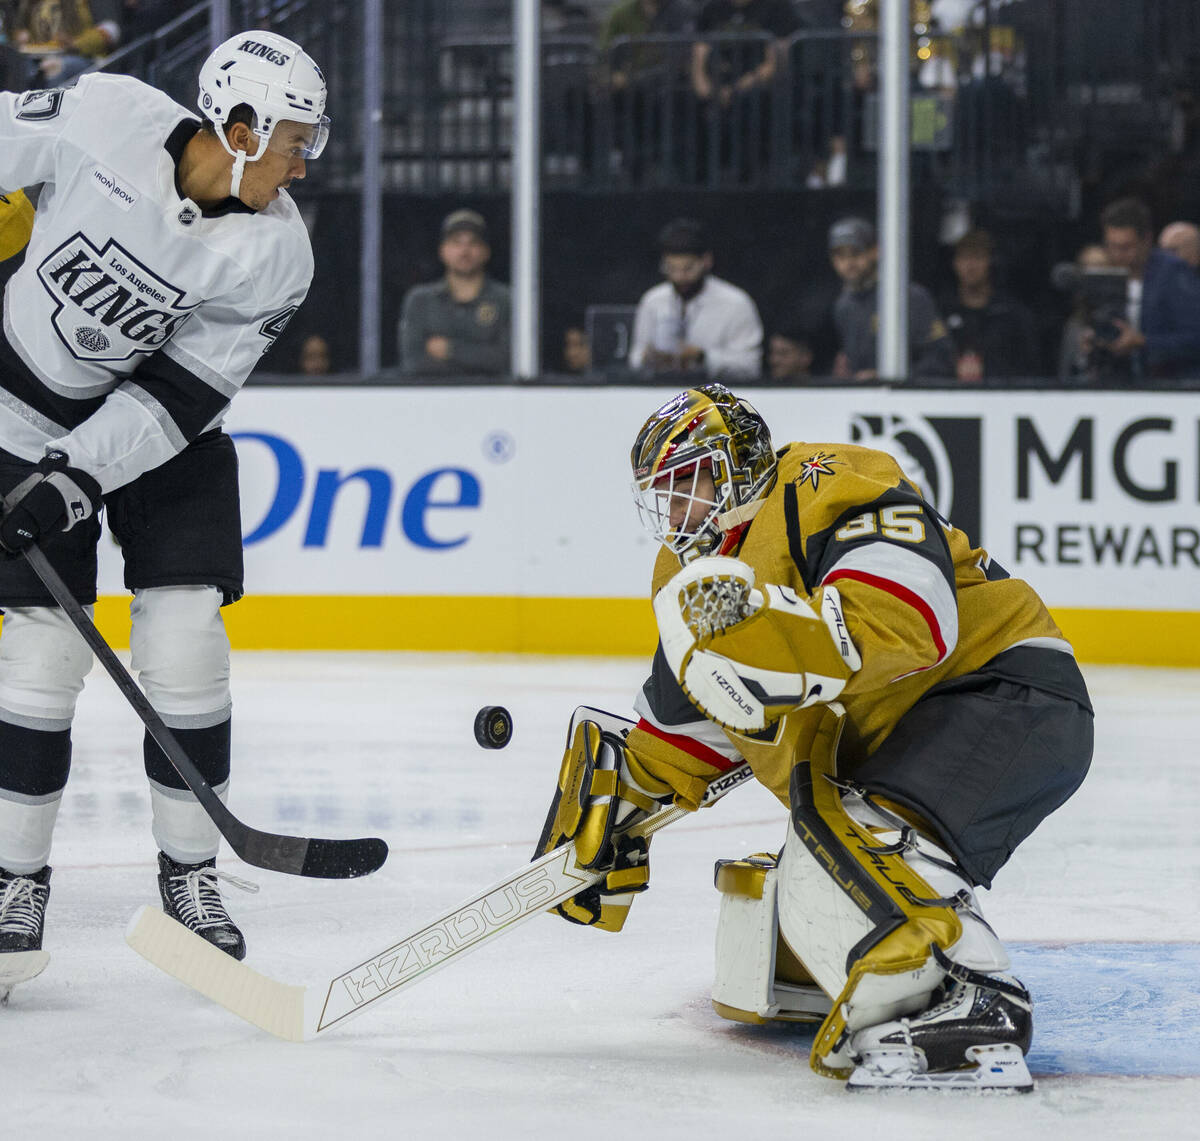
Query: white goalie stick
{"type": "Point", "coordinates": [300, 1013]}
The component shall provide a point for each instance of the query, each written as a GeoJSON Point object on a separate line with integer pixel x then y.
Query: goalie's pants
{"type": "Point", "coordinates": [177, 525]}
{"type": "Point", "coordinates": [987, 756]}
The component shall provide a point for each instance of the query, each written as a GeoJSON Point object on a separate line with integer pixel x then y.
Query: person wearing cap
{"type": "Point", "coordinates": [694, 322]}
{"type": "Point", "coordinates": [460, 324]}
{"type": "Point", "coordinates": [855, 256]}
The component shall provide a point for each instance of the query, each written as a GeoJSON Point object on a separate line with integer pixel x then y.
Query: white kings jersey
{"type": "Point", "coordinates": [135, 318]}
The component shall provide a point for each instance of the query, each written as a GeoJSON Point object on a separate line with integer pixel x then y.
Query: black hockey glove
{"type": "Point", "coordinates": [53, 498]}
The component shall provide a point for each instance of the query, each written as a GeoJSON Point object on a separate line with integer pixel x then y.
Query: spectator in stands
{"type": "Point", "coordinates": [1160, 337]}
{"type": "Point", "coordinates": [462, 322]}
{"type": "Point", "coordinates": [576, 352]}
{"type": "Point", "coordinates": [1078, 361]}
{"type": "Point", "coordinates": [1078, 365]}
{"type": "Point", "coordinates": [315, 357]}
{"type": "Point", "coordinates": [631, 19]}
{"type": "Point", "coordinates": [733, 78]}
{"type": "Point", "coordinates": [694, 322]}
{"type": "Point", "coordinates": [854, 252]}
{"type": "Point", "coordinates": [790, 354]}
{"type": "Point", "coordinates": [1183, 240]}
{"type": "Point", "coordinates": [995, 336]}
{"type": "Point", "coordinates": [641, 80]}
{"type": "Point", "coordinates": [64, 37]}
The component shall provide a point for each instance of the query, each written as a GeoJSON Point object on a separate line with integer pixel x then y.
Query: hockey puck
{"type": "Point", "coordinates": [493, 727]}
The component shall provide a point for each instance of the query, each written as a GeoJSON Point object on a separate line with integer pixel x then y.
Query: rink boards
{"type": "Point", "coordinates": [500, 518]}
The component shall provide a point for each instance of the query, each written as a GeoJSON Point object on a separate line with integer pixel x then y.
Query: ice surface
{"type": "Point", "coordinates": [556, 1030]}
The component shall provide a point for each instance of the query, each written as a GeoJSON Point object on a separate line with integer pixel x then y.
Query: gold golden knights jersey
{"type": "Point", "coordinates": [16, 223]}
{"type": "Point", "coordinates": [921, 604]}
{"type": "Point", "coordinates": [135, 317]}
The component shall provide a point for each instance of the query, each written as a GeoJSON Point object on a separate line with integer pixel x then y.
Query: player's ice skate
{"type": "Point", "coordinates": [22, 920]}
{"type": "Point", "coordinates": [974, 1036]}
{"type": "Point", "coordinates": [191, 896]}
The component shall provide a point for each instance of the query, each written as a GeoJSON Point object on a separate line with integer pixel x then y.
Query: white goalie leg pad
{"type": "Point", "coordinates": [745, 988]}
{"type": "Point", "coordinates": [861, 917]}
{"type": "Point", "coordinates": [43, 662]}
{"type": "Point", "coordinates": [181, 827]}
{"type": "Point", "coordinates": [979, 947]}
{"type": "Point", "coordinates": [180, 650]}
{"type": "Point", "coordinates": [825, 923]}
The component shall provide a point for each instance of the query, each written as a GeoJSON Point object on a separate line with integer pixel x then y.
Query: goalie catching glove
{"type": "Point", "coordinates": [603, 788]}
{"type": "Point", "coordinates": [745, 657]}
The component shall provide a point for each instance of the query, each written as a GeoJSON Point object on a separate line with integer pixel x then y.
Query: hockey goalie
{"type": "Point", "coordinates": [915, 709]}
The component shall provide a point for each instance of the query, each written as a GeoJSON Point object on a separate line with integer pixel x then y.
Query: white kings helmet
{"type": "Point", "coordinates": [276, 78]}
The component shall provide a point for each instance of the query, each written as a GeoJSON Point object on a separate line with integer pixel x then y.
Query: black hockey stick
{"type": "Point", "coordinates": [293, 855]}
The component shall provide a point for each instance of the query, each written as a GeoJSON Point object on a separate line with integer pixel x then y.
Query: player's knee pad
{"type": "Point", "coordinates": [863, 900]}
{"type": "Point", "coordinates": [43, 662]}
{"type": "Point", "coordinates": [180, 649]}
{"type": "Point", "coordinates": [758, 978]}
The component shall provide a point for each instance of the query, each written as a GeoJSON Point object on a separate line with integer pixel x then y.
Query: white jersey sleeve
{"type": "Point", "coordinates": [31, 125]}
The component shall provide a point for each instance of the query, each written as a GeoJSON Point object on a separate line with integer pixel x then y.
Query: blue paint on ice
{"type": "Point", "coordinates": [1113, 1008]}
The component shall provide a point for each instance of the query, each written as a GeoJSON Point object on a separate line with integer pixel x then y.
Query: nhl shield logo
{"type": "Point", "coordinates": [187, 215]}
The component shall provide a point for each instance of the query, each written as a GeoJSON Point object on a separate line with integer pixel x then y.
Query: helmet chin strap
{"type": "Point", "coordinates": [235, 177]}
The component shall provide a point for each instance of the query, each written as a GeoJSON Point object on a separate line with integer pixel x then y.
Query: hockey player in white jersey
{"type": "Point", "coordinates": [166, 257]}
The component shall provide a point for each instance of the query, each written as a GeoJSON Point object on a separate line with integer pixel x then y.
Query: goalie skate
{"type": "Point", "coordinates": [999, 1067]}
{"type": "Point", "coordinates": [974, 1037]}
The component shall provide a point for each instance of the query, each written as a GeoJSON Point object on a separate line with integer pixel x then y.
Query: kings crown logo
{"type": "Point", "coordinates": [91, 339]}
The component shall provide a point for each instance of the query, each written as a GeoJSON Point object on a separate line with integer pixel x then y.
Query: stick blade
{"type": "Point", "coordinates": [304, 856]}
{"type": "Point", "coordinates": [343, 859]}
{"type": "Point", "coordinates": [273, 1006]}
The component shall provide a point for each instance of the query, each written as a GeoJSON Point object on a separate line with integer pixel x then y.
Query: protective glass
{"type": "Point", "coordinates": [674, 508]}
{"type": "Point", "coordinates": [299, 140]}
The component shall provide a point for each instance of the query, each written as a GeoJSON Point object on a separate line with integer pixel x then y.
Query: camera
{"type": "Point", "coordinates": [1101, 294]}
